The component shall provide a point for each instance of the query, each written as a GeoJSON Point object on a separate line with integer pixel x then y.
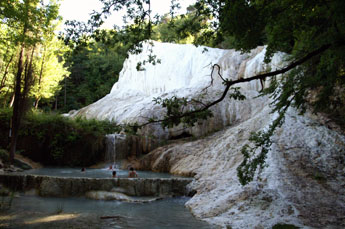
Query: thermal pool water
{"type": "Point", "coordinates": [29, 211]}
{"type": "Point", "coordinates": [93, 173]}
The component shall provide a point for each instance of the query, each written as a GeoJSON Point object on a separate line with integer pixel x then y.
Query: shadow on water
{"type": "Point", "coordinates": [31, 211]}
{"type": "Point", "coordinates": [38, 212]}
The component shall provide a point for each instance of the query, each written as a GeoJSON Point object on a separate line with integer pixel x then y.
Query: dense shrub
{"type": "Point", "coordinates": [5, 116]}
{"type": "Point", "coordinates": [4, 156]}
{"type": "Point", "coordinates": [52, 139]}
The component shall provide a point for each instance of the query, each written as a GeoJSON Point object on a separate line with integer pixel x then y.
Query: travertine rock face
{"type": "Point", "coordinates": [184, 71]}
{"type": "Point", "coordinates": [303, 183]}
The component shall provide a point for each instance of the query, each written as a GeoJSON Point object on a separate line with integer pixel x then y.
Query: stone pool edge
{"type": "Point", "coordinates": [52, 186]}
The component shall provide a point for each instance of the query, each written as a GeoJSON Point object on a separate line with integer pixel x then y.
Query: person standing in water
{"type": "Point", "coordinates": [132, 173]}
{"type": "Point", "coordinates": [114, 174]}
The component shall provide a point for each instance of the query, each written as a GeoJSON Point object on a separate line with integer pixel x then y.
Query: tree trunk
{"type": "Point", "coordinates": [19, 104]}
{"type": "Point", "coordinates": [56, 102]}
{"type": "Point", "coordinates": [40, 78]}
{"type": "Point", "coordinates": [16, 116]}
{"type": "Point", "coordinates": [65, 94]}
{"type": "Point", "coordinates": [36, 102]}
{"type": "Point", "coordinates": [28, 78]}
{"type": "Point", "coordinates": [3, 80]}
{"type": "Point", "coordinates": [12, 100]}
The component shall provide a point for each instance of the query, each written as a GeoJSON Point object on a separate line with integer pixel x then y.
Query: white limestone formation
{"type": "Point", "coordinates": [184, 71]}
{"type": "Point", "coordinates": [303, 183]}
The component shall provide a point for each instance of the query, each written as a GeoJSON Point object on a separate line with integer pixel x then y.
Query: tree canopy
{"type": "Point", "coordinates": [27, 33]}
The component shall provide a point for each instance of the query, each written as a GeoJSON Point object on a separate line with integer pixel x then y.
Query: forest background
{"type": "Point", "coordinates": [43, 71]}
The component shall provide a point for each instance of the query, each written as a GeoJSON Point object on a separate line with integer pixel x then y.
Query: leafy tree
{"type": "Point", "coordinates": [23, 25]}
{"type": "Point", "coordinates": [181, 29]}
{"type": "Point", "coordinates": [8, 55]}
{"type": "Point", "coordinates": [49, 69]}
{"type": "Point", "coordinates": [95, 65]}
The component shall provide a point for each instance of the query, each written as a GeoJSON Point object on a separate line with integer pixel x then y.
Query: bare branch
{"type": "Point", "coordinates": [211, 83]}
{"type": "Point", "coordinates": [199, 102]}
{"type": "Point", "coordinates": [265, 75]}
{"type": "Point", "coordinates": [230, 83]}
{"type": "Point", "coordinates": [224, 80]}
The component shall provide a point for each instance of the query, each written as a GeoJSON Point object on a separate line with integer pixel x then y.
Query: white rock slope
{"type": "Point", "coordinates": [304, 181]}
{"type": "Point", "coordinates": [184, 71]}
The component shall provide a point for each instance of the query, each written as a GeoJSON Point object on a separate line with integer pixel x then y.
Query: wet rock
{"type": "Point", "coordinates": [64, 187]}
{"type": "Point", "coordinates": [102, 195]}
{"type": "Point", "coordinates": [49, 187]}
{"type": "Point", "coordinates": [12, 169]}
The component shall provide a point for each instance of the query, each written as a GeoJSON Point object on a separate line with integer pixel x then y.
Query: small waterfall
{"type": "Point", "coordinates": [111, 142]}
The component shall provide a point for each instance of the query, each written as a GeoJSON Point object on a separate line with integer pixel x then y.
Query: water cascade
{"type": "Point", "coordinates": [112, 154]}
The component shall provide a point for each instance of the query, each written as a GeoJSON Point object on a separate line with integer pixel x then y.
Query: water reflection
{"type": "Point", "coordinates": [93, 173]}
{"type": "Point", "coordinates": [84, 213]}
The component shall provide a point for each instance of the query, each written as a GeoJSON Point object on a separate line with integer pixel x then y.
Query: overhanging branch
{"type": "Point", "coordinates": [229, 83]}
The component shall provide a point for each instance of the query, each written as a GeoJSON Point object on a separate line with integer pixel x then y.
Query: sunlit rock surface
{"type": "Point", "coordinates": [303, 183]}
{"type": "Point", "coordinates": [184, 71]}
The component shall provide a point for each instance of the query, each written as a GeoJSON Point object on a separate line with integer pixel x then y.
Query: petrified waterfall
{"type": "Point", "coordinates": [303, 182]}
{"type": "Point", "coordinates": [184, 71]}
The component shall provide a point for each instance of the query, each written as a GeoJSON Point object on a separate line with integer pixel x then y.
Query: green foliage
{"type": "Point", "coordinates": [183, 29]}
{"type": "Point", "coordinates": [319, 177]}
{"type": "Point", "coordinates": [28, 41]}
{"type": "Point", "coordinates": [296, 28]}
{"type": "Point", "coordinates": [151, 59]}
{"type": "Point", "coordinates": [284, 226]}
{"type": "Point", "coordinates": [4, 156]}
{"type": "Point", "coordinates": [254, 155]}
{"type": "Point", "coordinates": [236, 94]}
{"type": "Point", "coordinates": [176, 108]}
{"type": "Point", "coordinates": [49, 70]}
{"type": "Point", "coordinates": [5, 116]}
{"type": "Point", "coordinates": [94, 67]}
{"type": "Point", "coordinates": [55, 140]}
